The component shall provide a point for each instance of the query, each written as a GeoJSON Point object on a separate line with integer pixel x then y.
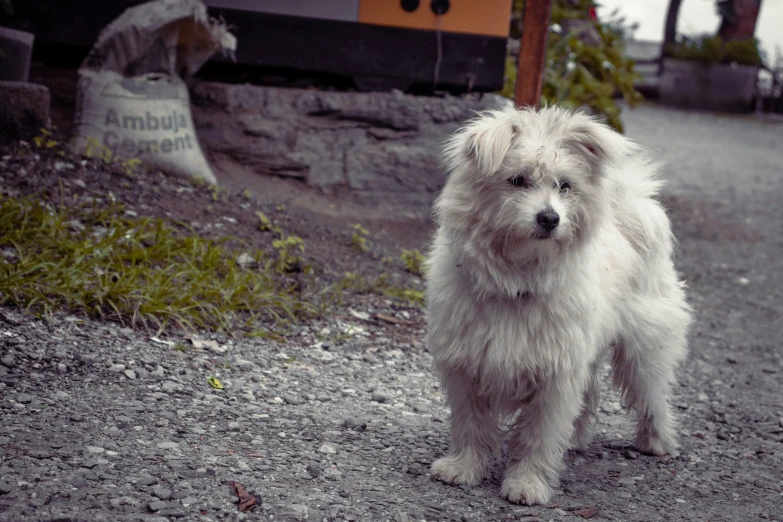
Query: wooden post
{"type": "Point", "coordinates": [532, 52]}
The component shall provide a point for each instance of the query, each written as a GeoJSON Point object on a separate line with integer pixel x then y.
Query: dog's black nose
{"type": "Point", "coordinates": [548, 219]}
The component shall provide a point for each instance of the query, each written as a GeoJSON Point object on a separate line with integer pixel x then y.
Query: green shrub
{"type": "Point", "coordinates": [586, 62]}
{"type": "Point", "coordinates": [713, 50]}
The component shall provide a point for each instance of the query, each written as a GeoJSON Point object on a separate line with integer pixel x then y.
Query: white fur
{"type": "Point", "coordinates": [517, 322]}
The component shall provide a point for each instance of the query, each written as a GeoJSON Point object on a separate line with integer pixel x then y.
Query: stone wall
{"type": "Point", "coordinates": [384, 146]}
{"type": "Point", "coordinates": [24, 110]}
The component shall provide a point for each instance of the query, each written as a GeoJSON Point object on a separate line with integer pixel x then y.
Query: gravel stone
{"type": "Point", "coordinates": [161, 492]}
{"type": "Point", "coordinates": [314, 469]}
{"type": "Point", "coordinates": [327, 449]}
{"type": "Point", "coordinates": [24, 398]}
{"type": "Point", "coordinates": [381, 397]}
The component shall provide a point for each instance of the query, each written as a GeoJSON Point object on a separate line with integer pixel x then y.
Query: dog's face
{"type": "Point", "coordinates": [528, 176]}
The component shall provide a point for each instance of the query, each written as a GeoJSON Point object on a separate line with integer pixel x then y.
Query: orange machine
{"type": "Point", "coordinates": [419, 45]}
{"type": "Point", "coordinates": [487, 17]}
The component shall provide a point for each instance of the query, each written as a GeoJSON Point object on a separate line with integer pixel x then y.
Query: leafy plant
{"type": "Point", "coordinates": [287, 260]}
{"type": "Point", "coordinates": [586, 62]}
{"type": "Point", "coordinates": [413, 261]}
{"type": "Point", "coordinates": [714, 50]}
{"type": "Point", "coordinates": [359, 239]}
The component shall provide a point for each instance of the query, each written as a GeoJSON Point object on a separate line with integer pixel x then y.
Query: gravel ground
{"type": "Point", "coordinates": [342, 421]}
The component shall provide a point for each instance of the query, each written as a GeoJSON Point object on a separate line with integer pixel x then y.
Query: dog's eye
{"type": "Point", "coordinates": [518, 181]}
{"type": "Point", "coordinates": [564, 186]}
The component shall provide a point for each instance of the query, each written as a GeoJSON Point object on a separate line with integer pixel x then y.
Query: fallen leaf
{"type": "Point", "coordinates": [247, 502]}
{"type": "Point", "coordinates": [586, 512]}
{"type": "Point", "coordinates": [161, 341]}
{"type": "Point", "coordinates": [214, 383]}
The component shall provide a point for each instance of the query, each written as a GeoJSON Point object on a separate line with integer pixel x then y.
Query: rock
{"type": "Point", "coordinates": [327, 449]}
{"type": "Point", "coordinates": [630, 454]}
{"type": "Point", "coordinates": [379, 396]}
{"type": "Point", "coordinates": [382, 144]}
{"type": "Point", "coordinates": [189, 501]}
{"type": "Point", "coordinates": [292, 399]}
{"type": "Point", "coordinates": [161, 492]}
{"type": "Point", "coordinates": [146, 481]}
{"type": "Point", "coordinates": [130, 374]}
{"type": "Point", "coordinates": [157, 505]}
{"type": "Point", "coordinates": [167, 445]}
{"type": "Point", "coordinates": [298, 512]}
{"type": "Point", "coordinates": [314, 469]}
{"type": "Point", "coordinates": [24, 398]}
{"type": "Point", "coordinates": [24, 109]}
{"type": "Point", "coordinates": [6, 488]}
{"type": "Point", "coordinates": [352, 423]}
{"type": "Point", "coordinates": [76, 417]}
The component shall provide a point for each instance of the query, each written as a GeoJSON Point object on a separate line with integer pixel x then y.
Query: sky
{"type": "Point", "coordinates": [696, 16]}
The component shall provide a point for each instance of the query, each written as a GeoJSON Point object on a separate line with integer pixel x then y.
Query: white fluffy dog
{"type": "Point", "coordinates": [551, 248]}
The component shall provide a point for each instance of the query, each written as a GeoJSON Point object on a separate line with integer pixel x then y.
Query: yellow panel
{"type": "Point", "coordinates": [487, 17]}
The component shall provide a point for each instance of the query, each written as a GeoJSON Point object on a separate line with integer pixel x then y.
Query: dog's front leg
{"type": "Point", "coordinates": [474, 433]}
{"type": "Point", "coordinates": [539, 438]}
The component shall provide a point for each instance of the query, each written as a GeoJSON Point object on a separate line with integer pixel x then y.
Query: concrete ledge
{"type": "Point", "coordinates": [383, 145]}
{"type": "Point", "coordinates": [725, 88]}
{"type": "Point", "coordinates": [24, 109]}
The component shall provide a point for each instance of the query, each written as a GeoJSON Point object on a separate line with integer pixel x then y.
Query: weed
{"type": "Point", "coordinates": [286, 260]}
{"type": "Point", "coordinates": [91, 258]}
{"type": "Point", "coordinates": [413, 261]}
{"type": "Point", "coordinates": [359, 241]}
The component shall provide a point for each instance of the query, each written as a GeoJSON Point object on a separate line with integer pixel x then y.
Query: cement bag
{"type": "Point", "coordinates": [132, 101]}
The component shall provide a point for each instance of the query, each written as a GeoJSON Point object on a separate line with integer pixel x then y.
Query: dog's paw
{"type": "Point", "coordinates": [528, 489]}
{"type": "Point", "coordinates": [462, 468]}
{"type": "Point", "coordinates": [659, 446]}
{"type": "Point", "coordinates": [581, 439]}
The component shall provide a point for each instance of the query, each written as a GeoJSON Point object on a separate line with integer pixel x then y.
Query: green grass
{"type": "Point", "coordinates": [93, 259]}
{"type": "Point", "coordinates": [90, 258]}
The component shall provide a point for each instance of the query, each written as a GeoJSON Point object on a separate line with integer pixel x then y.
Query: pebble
{"type": "Point", "coordinates": [5, 488]}
{"type": "Point", "coordinates": [292, 399]}
{"type": "Point", "coordinates": [167, 445]}
{"type": "Point", "coordinates": [352, 423]}
{"type": "Point", "coordinates": [314, 469]}
{"type": "Point", "coordinates": [378, 396]}
{"type": "Point", "coordinates": [157, 505]}
{"type": "Point", "coordinates": [24, 398]}
{"type": "Point", "coordinates": [161, 492]}
{"type": "Point", "coordinates": [189, 501]}
{"type": "Point", "coordinates": [76, 417]}
{"type": "Point", "coordinates": [327, 449]}
{"type": "Point", "coordinates": [631, 454]}
{"type": "Point", "coordinates": [146, 481]}
{"type": "Point", "coordinates": [130, 374]}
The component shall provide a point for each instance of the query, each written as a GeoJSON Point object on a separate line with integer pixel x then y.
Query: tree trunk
{"type": "Point", "coordinates": [739, 18]}
{"type": "Point", "coordinates": [670, 32]}
{"type": "Point", "coordinates": [532, 52]}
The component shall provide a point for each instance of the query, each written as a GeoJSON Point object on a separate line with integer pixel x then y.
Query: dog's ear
{"type": "Point", "coordinates": [484, 141]}
{"type": "Point", "coordinates": [597, 144]}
